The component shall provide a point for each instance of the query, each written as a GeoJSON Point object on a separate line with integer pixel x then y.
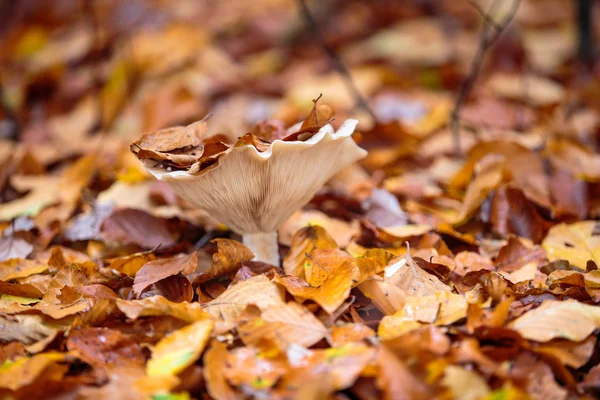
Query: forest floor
{"type": "Point", "coordinates": [457, 260]}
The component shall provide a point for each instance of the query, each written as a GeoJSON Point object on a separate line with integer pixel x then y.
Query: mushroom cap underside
{"type": "Point", "coordinates": [253, 192]}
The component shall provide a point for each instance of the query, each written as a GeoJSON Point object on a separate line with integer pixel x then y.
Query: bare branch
{"type": "Point", "coordinates": [313, 27]}
{"type": "Point", "coordinates": [490, 33]}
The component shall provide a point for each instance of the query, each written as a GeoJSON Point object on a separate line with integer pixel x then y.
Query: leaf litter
{"type": "Point", "coordinates": [418, 272]}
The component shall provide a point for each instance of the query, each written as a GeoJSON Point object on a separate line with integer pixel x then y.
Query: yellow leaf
{"type": "Point", "coordinates": [465, 384]}
{"type": "Point", "coordinates": [304, 242]}
{"type": "Point", "coordinates": [132, 263]}
{"type": "Point", "coordinates": [25, 370]}
{"type": "Point", "coordinates": [575, 243]}
{"type": "Point", "coordinates": [180, 349]}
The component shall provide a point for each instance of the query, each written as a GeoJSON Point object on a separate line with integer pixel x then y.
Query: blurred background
{"type": "Point", "coordinates": [425, 78]}
{"type": "Point", "coordinates": [136, 66]}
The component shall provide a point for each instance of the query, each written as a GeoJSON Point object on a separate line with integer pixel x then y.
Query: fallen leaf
{"type": "Point", "coordinates": [395, 379]}
{"type": "Point", "coordinates": [105, 347]}
{"type": "Point", "coordinates": [12, 247]}
{"type": "Point", "coordinates": [154, 271]}
{"type": "Point", "coordinates": [443, 308]}
{"type": "Point", "coordinates": [304, 242]}
{"type": "Point", "coordinates": [137, 227]}
{"type": "Point", "coordinates": [87, 226]}
{"type": "Point", "coordinates": [131, 264]}
{"type": "Point", "coordinates": [26, 328]}
{"type": "Point", "coordinates": [180, 349]}
{"type": "Point", "coordinates": [25, 370]}
{"type": "Point", "coordinates": [159, 306]}
{"type": "Point", "coordinates": [227, 260]}
{"type": "Point", "coordinates": [323, 262]}
{"type": "Point", "coordinates": [247, 368]}
{"type": "Point", "coordinates": [333, 290]}
{"type": "Point", "coordinates": [16, 268]}
{"type": "Point", "coordinates": [342, 365]}
{"type": "Point", "coordinates": [540, 91]}
{"type": "Point", "coordinates": [284, 324]}
{"type": "Point", "coordinates": [465, 384]}
{"type": "Point", "coordinates": [402, 279]}
{"type": "Point", "coordinates": [258, 290]}
{"type": "Point", "coordinates": [349, 333]}
{"type": "Point", "coordinates": [572, 354]}
{"type": "Point", "coordinates": [216, 384]}
{"type": "Point", "coordinates": [340, 231]}
{"type": "Point", "coordinates": [575, 243]}
{"type": "Point", "coordinates": [568, 319]}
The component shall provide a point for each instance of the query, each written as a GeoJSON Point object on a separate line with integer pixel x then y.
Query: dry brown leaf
{"type": "Point", "coordinates": [105, 347]}
{"type": "Point", "coordinates": [216, 384]}
{"type": "Point", "coordinates": [169, 139]}
{"type": "Point", "coordinates": [12, 247]}
{"type": "Point", "coordinates": [284, 324]}
{"type": "Point", "coordinates": [253, 371]}
{"type": "Point", "coordinates": [443, 308]}
{"type": "Point", "coordinates": [227, 260]}
{"type": "Point", "coordinates": [26, 328]}
{"type": "Point", "coordinates": [159, 306]}
{"type": "Point", "coordinates": [572, 354]}
{"type": "Point", "coordinates": [342, 365]}
{"type": "Point", "coordinates": [395, 380]}
{"type": "Point", "coordinates": [402, 279]}
{"type": "Point", "coordinates": [568, 319]}
{"type": "Point", "coordinates": [258, 290]}
{"type": "Point", "coordinates": [349, 333]}
{"type": "Point", "coordinates": [137, 227]}
{"type": "Point", "coordinates": [323, 262]}
{"type": "Point", "coordinates": [154, 271]}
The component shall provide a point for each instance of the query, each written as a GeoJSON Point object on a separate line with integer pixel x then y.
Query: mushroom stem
{"type": "Point", "coordinates": [264, 246]}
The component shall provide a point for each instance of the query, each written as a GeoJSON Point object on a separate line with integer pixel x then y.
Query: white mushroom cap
{"type": "Point", "coordinates": [255, 192]}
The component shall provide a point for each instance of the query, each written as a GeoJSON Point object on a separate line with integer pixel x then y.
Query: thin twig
{"type": "Point", "coordinates": [489, 20]}
{"type": "Point", "coordinates": [490, 34]}
{"type": "Point", "coordinates": [313, 27]}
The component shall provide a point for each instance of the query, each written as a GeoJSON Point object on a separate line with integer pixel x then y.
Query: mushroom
{"type": "Point", "coordinates": [254, 192]}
